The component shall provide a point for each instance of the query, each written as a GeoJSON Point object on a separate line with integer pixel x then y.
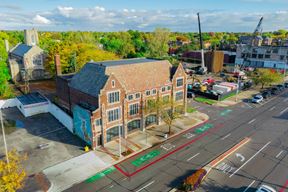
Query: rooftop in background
{"type": "Point", "coordinates": [123, 62]}
{"type": "Point", "coordinates": [32, 98]}
{"type": "Point", "coordinates": [21, 49]}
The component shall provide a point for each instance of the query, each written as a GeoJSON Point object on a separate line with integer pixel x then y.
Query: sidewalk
{"type": "Point", "coordinates": [75, 170]}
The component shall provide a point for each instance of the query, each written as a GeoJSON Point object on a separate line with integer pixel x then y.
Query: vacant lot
{"type": "Point", "coordinates": [29, 134]}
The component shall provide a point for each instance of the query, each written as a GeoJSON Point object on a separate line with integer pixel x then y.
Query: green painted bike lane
{"type": "Point", "coordinates": [100, 175]}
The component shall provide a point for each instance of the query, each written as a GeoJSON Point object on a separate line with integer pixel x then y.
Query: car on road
{"type": "Point", "coordinates": [275, 90]}
{"type": "Point", "coordinates": [281, 87]}
{"type": "Point", "coordinates": [266, 94]}
{"type": "Point", "coordinates": [257, 99]}
{"type": "Point", "coordinates": [265, 188]}
{"type": "Point", "coordinates": [286, 85]}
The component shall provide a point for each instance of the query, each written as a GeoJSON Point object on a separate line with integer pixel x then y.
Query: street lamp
{"type": "Point", "coordinates": [4, 138]}
{"type": "Point", "coordinates": [119, 130]}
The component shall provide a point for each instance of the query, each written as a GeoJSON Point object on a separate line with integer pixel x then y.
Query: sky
{"type": "Point", "coordinates": [143, 15]}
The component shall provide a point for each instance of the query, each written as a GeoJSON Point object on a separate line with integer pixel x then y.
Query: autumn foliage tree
{"type": "Point", "coordinates": [192, 182]}
{"type": "Point", "coordinates": [12, 175]}
{"type": "Point", "coordinates": [266, 76]}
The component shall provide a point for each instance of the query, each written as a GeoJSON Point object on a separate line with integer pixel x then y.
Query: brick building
{"type": "Point", "coordinates": [108, 97]}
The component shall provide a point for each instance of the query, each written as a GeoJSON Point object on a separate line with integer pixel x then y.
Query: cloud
{"type": "Point", "coordinates": [10, 6]}
{"type": "Point", "coordinates": [100, 19]}
{"type": "Point", "coordinates": [38, 19]}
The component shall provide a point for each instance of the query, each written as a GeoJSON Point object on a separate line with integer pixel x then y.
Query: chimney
{"type": "Point", "coordinates": [57, 65]}
{"type": "Point", "coordinates": [6, 45]}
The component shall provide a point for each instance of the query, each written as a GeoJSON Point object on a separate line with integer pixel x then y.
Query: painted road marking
{"type": "Point", "coordinates": [226, 136]}
{"type": "Point", "coordinates": [283, 111]}
{"type": "Point", "coordinates": [100, 175]}
{"type": "Point", "coordinates": [249, 106]}
{"type": "Point", "coordinates": [167, 146]}
{"type": "Point", "coordinates": [251, 121]}
{"type": "Point", "coordinates": [193, 156]}
{"type": "Point", "coordinates": [145, 186]}
{"type": "Point", "coordinates": [188, 135]}
{"type": "Point", "coordinates": [279, 154]}
{"type": "Point", "coordinates": [284, 187]}
{"type": "Point", "coordinates": [145, 158]}
{"type": "Point", "coordinates": [250, 159]}
{"type": "Point", "coordinates": [272, 108]}
{"type": "Point", "coordinates": [238, 155]}
{"type": "Point", "coordinates": [225, 112]}
{"type": "Point", "coordinates": [225, 168]}
{"type": "Point", "coordinates": [204, 128]}
{"type": "Point", "coordinates": [249, 186]}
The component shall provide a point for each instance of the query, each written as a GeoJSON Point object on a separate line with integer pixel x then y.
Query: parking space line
{"type": "Point", "coordinates": [251, 121]}
{"type": "Point", "coordinates": [281, 113]}
{"type": "Point", "coordinates": [250, 159]}
{"type": "Point", "coordinates": [193, 156]}
{"type": "Point", "coordinates": [226, 136]}
{"type": "Point", "coordinates": [145, 186]}
{"type": "Point", "coordinates": [249, 186]}
{"type": "Point", "coordinates": [279, 154]}
{"type": "Point", "coordinates": [272, 108]}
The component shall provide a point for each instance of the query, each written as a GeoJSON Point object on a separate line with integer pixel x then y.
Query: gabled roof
{"type": "Point", "coordinates": [134, 74]}
{"type": "Point", "coordinates": [21, 49]}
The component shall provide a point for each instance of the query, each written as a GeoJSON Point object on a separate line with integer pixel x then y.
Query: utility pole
{"type": "Point", "coordinates": [4, 138]}
{"type": "Point", "coordinates": [119, 129]}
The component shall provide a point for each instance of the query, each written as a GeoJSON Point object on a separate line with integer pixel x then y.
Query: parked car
{"type": "Point", "coordinates": [265, 188]}
{"type": "Point", "coordinates": [257, 99]}
{"type": "Point", "coordinates": [266, 94]}
{"type": "Point", "coordinates": [275, 90]}
{"type": "Point", "coordinates": [281, 87]}
{"type": "Point", "coordinates": [208, 81]}
{"type": "Point", "coordinates": [286, 85]}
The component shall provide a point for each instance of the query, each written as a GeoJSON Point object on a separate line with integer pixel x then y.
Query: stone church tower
{"type": "Point", "coordinates": [31, 37]}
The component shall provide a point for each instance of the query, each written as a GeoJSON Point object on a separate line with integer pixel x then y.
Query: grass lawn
{"type": "Point", "coordinates": [204, 100]}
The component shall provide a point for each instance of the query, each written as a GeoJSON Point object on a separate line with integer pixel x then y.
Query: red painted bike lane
{"type": "Point", "coordinates": [128, 163]}
{"type": "Point", "coordinates": [284, 188]}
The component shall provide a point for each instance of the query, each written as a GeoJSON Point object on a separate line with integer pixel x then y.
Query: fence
{"type": "Point", "coordinates": [61, 116]}
{"type": "Point", "coordinates": [8, 103]}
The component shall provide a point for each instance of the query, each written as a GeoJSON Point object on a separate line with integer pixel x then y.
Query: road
{"type": "Point", "coordinates": [172, 161]}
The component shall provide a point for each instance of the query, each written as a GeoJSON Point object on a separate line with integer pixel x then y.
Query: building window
{"type": "Point", "coordinates": [134, 109]}
{"type": "Point", "coordinates": [137, 95]}
{"type": "Point", "coordinates": [154, 91]}
{"type": "Point", "coordinates": [168, 88]}
{"type": "Point", "coordinates": [179, 96]}
{"type": "Point", "coordinates": [260, 56]}
{"type": "Point", "coordinates": [150, 120]}
{"type": "Point", "coordinates": [98, 122]}
{"type": "Point", "coordinates": [114, 115]}
{"type": "Point", "coordinates": [179, 82]}
{"type": "Point", "coordinates": [37, 60]}
{"type": "Point", "coordinates": [148, 93]}
{"type": "Point", "coordinates": [275, 50]}
{"type": "Point", "coordinates": [133, 125]}
{"type": "Point", "coordinates": [113, 83]}
{"type": "Point", "coordinates": [151, 103]}
{"type": "Point", "coordinates": [163, 89]}
{"type": "Point", "coordinates": [254, 55]}
{"type": "Point", "coordinates": [113, 97]}
{"type": "Point", "coordinates": [114, 132]}
{"type": "Point", "coordinates": [130, 97]}
{"type": "Point", "coordinates": [166, 98]}
{"type": "Point", "coordinates": [282, 57]}
{"type": "Point", "coordinates": [267, 56]}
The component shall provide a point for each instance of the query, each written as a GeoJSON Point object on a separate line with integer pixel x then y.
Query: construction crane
{"type": "Point", "coordinates": [257, 32]}
{"type": "Point", "coordinates": [203, 69]}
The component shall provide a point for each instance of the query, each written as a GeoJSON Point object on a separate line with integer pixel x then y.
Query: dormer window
{"type": "Point", "coordinates": [113, 83]}
{"type": "Point", "coordinates": [154, 91]}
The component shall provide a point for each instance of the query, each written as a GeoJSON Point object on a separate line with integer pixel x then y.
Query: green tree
{"type": "Point", "coordinates": [266, 76]}
{"type": "Point", "coordinates": [166, 109]}
{"type": "Point", "coordinates": [158, 43]}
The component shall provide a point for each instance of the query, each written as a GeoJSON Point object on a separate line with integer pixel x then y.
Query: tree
{"type": "Point", "coordinates": [166, 109]}
{"type": "Point", "coordinates": [12, 175]}
{"type": "Point", "coordinates": [266, 76]}
{"type": "Point", "coordinates": [158, 43]}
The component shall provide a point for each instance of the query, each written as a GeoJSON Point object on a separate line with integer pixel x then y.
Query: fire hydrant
{"type": "Point", "coordinates": [86, 148]}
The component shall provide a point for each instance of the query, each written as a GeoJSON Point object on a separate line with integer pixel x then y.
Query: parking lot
{"type": "Point", "coordinates": [45, 140]}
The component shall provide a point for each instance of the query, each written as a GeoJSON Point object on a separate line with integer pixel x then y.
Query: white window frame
{"type": "Point", "coordinates": [112, 109]}
{"type": "Point", "coordinates": [179, 79]}
{"type": "Point", "coordinates": [164, 89]}
{"type": "Point", "coordinates": [176, 94]}
{"type": "Point", "coordinates": [153, 91]}
{"type": "Point", "coordinates": [169, 87]}
{"type": "Point", "coordinates": [99, 119]}
{"type": "Point", "coordinates": [113, 92]}
{"type": "Point", "coordinates": [137, 109]}
{"type": "Point", "coordinates": [113, 83]}
{"type": "Point", "coordinates": [132, 97]}
{"type": "Point", "coordinates": [139, 95]}
{"type": "Point", "coordinates": [149, 92]}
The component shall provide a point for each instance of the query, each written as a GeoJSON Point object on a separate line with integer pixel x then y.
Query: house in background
{"type": "Point", "coordinates": [108, 97]}
{"type": "Point", "coordinates": [26, 60]}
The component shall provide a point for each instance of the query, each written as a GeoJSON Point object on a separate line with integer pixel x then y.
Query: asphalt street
{"type": "Point", "coordinates": [265, 156]}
